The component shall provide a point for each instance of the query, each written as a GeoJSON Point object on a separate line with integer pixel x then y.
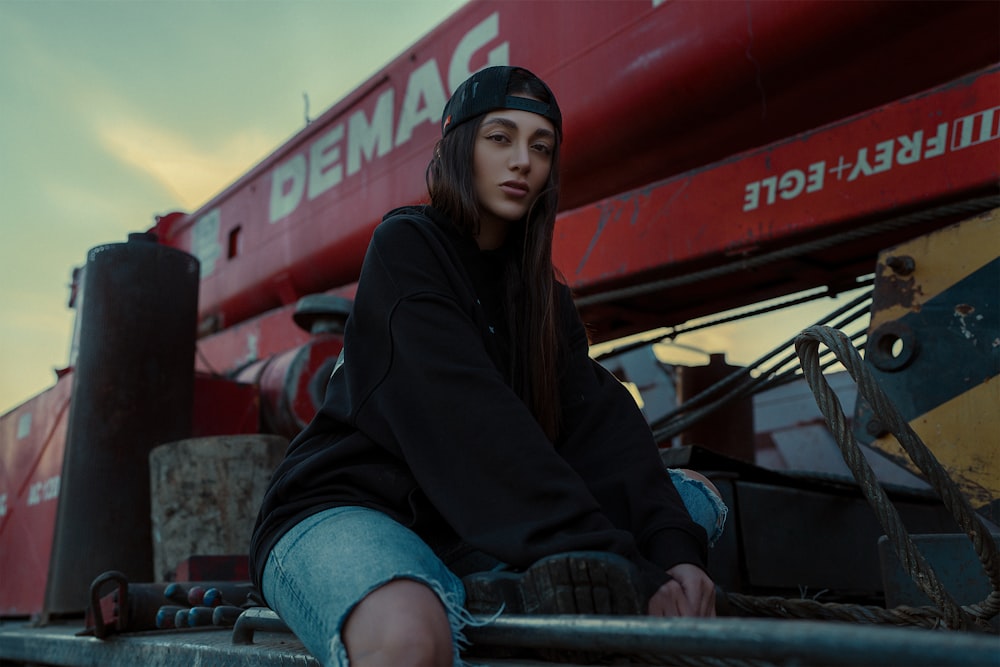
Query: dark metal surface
{"type": "Point", "coordinates": [955, 563]}
{"type": "Point", "coordinates": [811, 540]}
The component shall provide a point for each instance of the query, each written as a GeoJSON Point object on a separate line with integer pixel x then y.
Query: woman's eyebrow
{"type": "Point", "coordinates": [544, 132]}
{"type": "Point", "coordinates": [511, 125]}
{"type": "Point", "coordinates": [500, 120]}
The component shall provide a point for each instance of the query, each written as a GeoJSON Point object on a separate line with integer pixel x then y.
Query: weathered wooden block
{"type": "Point", "coordinates": [205, 493]}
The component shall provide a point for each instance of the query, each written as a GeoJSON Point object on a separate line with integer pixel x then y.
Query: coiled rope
{"type": "Point", "coordinates": [945, 612]}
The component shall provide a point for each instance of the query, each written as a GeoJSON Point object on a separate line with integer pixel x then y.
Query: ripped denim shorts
{"type": "Point", "coordinates": [327, 563]}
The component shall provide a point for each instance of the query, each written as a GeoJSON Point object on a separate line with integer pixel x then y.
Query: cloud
{"type": "Point", "coordinates": [190, 172]}
{"type": "Point", "coordinates": [88, 103]}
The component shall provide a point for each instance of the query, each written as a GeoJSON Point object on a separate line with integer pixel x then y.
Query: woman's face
{"type": "Point", "coordinates": [511, 162]}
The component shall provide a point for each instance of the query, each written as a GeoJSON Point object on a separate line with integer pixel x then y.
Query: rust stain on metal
{"type": "Point", "coordinates": [897, 291]}
{"type": "Point", "coordinates": [964, 310]}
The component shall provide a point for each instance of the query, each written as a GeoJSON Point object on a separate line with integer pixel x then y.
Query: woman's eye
{"type": "Point", "coordinates": [499, 138]}
{"type": "Point", "coordinates": [544, 149]}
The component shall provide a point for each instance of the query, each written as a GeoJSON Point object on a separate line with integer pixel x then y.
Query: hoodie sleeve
{"type": "Point", "coordinates": [425, 388]}
{"type": "Point", "coordinates": [609, 443]}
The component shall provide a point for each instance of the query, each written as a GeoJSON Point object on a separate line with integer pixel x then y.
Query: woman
{"type": "Point", "coordinates": [465, 428]}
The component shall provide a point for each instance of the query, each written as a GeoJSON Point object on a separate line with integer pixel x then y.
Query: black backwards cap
{"type": "Point", "coordinates": [486, 91]}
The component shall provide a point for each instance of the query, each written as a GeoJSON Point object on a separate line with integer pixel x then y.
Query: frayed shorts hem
{"type": "Point", "coordinates": [322, 568]}
{"type": "Point", "coordinates": [705, 507]}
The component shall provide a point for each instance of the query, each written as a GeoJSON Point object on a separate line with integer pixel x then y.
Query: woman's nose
{"type": "Point", "coordinates": [520, 158]}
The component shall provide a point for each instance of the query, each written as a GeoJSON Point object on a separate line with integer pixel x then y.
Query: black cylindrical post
{"type": "Point", "coordinates": [133, 389]}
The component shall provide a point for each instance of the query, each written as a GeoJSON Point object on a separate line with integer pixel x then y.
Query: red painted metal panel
{"type": "Point", "coordinates": [224, 407]}
{"type": "Point", "coordinates": [293, 383]}
{"type": "Point", "coordinates": [32, 442]}
{"type": "Point", "coordinates": [273, 359]}
{"type": "Point", "coordinates": [648, 89]}
{"type": "Point", "coordinates": [230, 350]}
{"type": "Point", "coordinates": [250, 341]}
{"type": "Point", "coordinates": [938, 147]}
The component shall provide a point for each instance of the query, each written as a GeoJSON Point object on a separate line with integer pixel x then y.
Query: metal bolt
{"type": "Point", "coordinates": [875, 428]}
{"type": "Point", "coordinates": [902, 265]}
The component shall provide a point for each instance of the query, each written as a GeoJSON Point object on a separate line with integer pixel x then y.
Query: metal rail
{"type": "Point", "coordinates": [811, 643]}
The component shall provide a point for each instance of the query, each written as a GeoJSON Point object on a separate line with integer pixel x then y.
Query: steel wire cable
{"type": "Point", "coordinates": [743, 383]}
{"type": "Point", "coordinates": [664, 334]}
{"type": "Point", "coordinates": [951, 613]}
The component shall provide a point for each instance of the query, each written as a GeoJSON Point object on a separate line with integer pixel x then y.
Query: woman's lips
{"type": "Point", "coordinates": [515, 188]}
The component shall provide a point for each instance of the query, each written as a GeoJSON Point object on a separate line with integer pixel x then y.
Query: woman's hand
{"type": "Point", "coordinates": [689, 593]}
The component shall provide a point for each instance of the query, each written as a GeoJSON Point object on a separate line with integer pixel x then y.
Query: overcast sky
{"type": "Point", "coordinates": [112, 112]}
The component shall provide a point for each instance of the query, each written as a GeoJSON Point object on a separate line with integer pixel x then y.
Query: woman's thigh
{"type": "Point", "coordinates": [323, 567]}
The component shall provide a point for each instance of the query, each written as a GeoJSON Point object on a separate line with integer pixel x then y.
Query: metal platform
{"type": "Point", "coordinates": [58, 644]}
{"type": "Point", "coordinates": [631, 640]}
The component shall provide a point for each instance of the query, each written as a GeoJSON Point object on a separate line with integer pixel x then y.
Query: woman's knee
{"type": "Point", "coordinates": [704, 480]}
{"type": "Point", "coordinates": [401, 623]}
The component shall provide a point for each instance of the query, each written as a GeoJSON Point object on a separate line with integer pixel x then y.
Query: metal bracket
{"type": "Point", "coordinates": [257, 618]}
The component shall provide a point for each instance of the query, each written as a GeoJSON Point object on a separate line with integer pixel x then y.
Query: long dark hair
{"type": "Point", "coordinates": [529, 278]}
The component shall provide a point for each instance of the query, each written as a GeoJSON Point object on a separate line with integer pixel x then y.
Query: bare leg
{"type": "Point", "coordinates": [402, 623]}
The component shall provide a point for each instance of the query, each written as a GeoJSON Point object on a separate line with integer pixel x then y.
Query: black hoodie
{"type": "Point", "coordinates": [419, 422]}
